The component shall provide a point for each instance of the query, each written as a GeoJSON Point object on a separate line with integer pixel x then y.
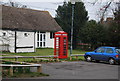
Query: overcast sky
{"type": "Point", "coordinates": [52, 5]}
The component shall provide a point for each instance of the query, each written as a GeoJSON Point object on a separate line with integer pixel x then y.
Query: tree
{"type": "Point", "coordinates": [18, 5]}
{"type": "Point", "coordinates": [104, 10]}
{"type": "Point", "coordinates": [117, 14]}
{"type": "Point", "coordinates": [63, 17]}
{"type": "Point", "coordinates": [13, 4]}
{"type": "Point", "coordinates": [113, 32]}
{"type": "Point", "coordinates": [93, 33]}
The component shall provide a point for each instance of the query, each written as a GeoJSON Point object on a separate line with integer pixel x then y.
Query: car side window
{"type": "Point", "coordinates": [109, 50]}
{"type": "Point", "coordinates": [118, 51]}
{"type": "Point", "coordinates": [100, 50]}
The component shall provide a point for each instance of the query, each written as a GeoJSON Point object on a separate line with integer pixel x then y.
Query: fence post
{"type": "Point", "coordinates": [50, 59]}
{"type": "Point", "coordinates": [16, 58]}
{"type": "Point", "coordinates": [11, 70]}
{"type": "Point", "coordinates": [76, 57]}
{"type": "Point", "coordinates": [70, 57]}
{"type": "Point", "coordinates": [23, 68]}
{"type": "Point", "coordinates": [39, 69]}
{"type": "Point", "coordinates": [57, 59]}
{"type": "Point", "coordinates": [34, 58]}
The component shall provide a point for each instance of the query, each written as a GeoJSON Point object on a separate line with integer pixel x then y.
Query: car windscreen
{"type": "Point", "coordinates": [118, 51]}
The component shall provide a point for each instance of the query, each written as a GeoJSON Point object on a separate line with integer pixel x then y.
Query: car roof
{"type": "Point", "coordinates": [117, 47]}
{"type": "Point", "coordinates": [108, 47]}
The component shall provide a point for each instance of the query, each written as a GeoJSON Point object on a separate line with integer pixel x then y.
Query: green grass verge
{"type": "Point", "coordinates": [80, 58]}
{"type": "Point", "coordinates": [25, 75]}
{"type": "Point", "coordinates": [39, 52]}
{"type": "Point", "coordinates": [42, 52]}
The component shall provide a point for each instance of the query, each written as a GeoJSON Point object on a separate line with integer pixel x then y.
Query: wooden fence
{"type": "Point", "coordinates": [34, 57]}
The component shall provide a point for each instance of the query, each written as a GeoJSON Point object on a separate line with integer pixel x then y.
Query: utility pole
{"type": "Point", "coordinates": [15, 42]}
{"type": "Point", "coordinates": [72, 23]}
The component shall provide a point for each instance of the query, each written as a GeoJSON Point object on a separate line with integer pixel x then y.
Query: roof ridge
{"type": "Point", "coordinates": [27, 9]}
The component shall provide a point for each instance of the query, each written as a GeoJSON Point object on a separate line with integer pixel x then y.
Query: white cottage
{"type": "Point", "coordinates": [24, 30]}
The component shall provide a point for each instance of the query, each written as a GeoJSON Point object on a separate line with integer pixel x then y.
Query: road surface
{"type": "Point", "coordinates": [79, 70]}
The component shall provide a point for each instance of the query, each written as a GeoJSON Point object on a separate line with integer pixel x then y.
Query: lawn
{"type": "Point", "coordinates": [42, 52]}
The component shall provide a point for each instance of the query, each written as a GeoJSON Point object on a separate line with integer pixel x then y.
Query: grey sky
{"type": "Point", "coordinates": [51, 6]}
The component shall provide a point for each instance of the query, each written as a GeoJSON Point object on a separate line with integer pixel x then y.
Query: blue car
{"type": "Point", "coordinates": [108, 54]}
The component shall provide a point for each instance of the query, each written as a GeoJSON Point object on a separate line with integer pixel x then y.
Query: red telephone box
{"type": "Point", "coordinates": [61, 44]}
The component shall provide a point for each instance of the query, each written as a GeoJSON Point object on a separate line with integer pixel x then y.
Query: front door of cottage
{"type": "Point", "coordinates": [41, 39]}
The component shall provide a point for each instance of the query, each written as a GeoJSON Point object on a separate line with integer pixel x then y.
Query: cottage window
{"type": "Point", "coordinates": [4, 34]}
{"type": "Point", "coordinates": [37, 36]}
{"type": "Point", "coordinates": [41, 39]}
{"type": "Point", "coordinates": [44, 44]}
{"type": "Point", "coordinates": [26, 34]}
{"type": "Point", "coordinates": [37, 44]}
{"type": "Point", "coordinates": [51, 35]}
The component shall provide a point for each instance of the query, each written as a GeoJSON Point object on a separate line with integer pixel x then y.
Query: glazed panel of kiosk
{"type": "Point", "coordinates": [61, 44]}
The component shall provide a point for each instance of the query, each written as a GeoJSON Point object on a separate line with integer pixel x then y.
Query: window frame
{"type": "Point", "coordinates": [52, 35]}
{"type": "Point", "coordinates": [41, 39]}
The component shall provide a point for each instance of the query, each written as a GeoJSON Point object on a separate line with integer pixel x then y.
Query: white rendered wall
{"type": "Point", "coordinates": [25, 41]}
{"type": "Point", "coordinates": [49, 42]}
{"type": "Point", "coordinates": [22, 40]}
{"type": "Point", "coordinates": [7, 39]}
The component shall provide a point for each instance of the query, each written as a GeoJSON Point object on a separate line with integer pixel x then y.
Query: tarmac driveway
{"type": "Point", "coordinates": [79, 70]}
